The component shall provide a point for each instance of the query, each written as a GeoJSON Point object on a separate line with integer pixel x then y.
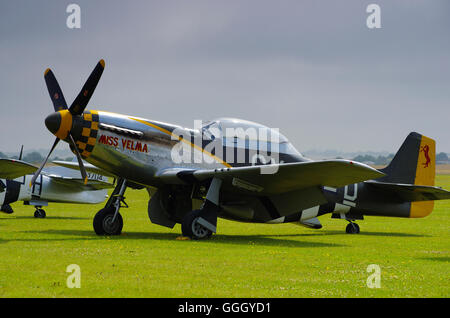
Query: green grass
{"type": "Point", "coordinates": [243, 260]}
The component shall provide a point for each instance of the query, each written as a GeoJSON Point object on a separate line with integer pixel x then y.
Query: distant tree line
{"type": "Point", "coordinates": [441, 157]}
{"type": "Point", "coordinates": [34, 157]}
{"type": "Point", "coordinates": [369, 159]}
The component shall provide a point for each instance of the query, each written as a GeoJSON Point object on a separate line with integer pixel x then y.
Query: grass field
{"type": "Point", "coordinates": [243, 260]}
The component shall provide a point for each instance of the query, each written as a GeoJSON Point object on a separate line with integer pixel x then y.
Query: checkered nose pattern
{"type": "Point", "coordinates": [87, 140]}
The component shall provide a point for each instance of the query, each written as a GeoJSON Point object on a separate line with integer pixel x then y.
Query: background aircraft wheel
{"type": "Point", "coordinates": [39, 213]}
{"type": "Point", "coordinates": [352, 228]}
{"type": "Point", "coordinates": [104, 225]}
{"type": "Point", "coordinates": [7, 209]}
{"type": "Point", "coordinates": [191, 228]}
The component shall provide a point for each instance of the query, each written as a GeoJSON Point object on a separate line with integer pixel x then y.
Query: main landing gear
{"type": "Point", "coordinates": [200, 224]}
{"type": "Point", "coordinates": [108, 220]}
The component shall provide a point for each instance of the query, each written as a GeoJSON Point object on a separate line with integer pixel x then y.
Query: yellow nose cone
{"type": "Point", "coordinates": [59, 123]}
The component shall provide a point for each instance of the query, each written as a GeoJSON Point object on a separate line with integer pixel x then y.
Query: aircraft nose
{"type": "Point", "coordinates": [53, 122]}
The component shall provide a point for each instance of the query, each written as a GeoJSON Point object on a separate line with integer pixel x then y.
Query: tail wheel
{"type": "Point", "coordinates": [39, 213]}
{"type": "Point", "coordinates": [352, 228]}
{"type": "Point", "coordinates": [104, 223]}
{"type": "Point", "coordinates": [191, 228]}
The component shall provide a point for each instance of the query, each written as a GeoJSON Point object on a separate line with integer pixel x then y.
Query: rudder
{"type": "Point", "coordinates": [414, 163]}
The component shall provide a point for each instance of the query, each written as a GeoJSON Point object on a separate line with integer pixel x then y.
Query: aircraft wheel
{"type": "Point", "coordinates": [7, 209]}
{"type": "Point", "coordinates": [191, 228]}
{"type": "Point", "coordinates": [104, 225]}
{"type": "Point", "coordinates": [352, 228]}
{"type": "Point", "coordinates": [39, 213]}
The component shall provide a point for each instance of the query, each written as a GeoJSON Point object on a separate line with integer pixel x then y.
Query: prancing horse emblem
{"type": "Point", "coordinates": [426, 149]}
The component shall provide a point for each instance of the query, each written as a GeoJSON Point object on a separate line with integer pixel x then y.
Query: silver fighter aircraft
{"type": "Point", "coordinates": [233, 169]}
{"type": "Point", "coordinates": [54, 184]}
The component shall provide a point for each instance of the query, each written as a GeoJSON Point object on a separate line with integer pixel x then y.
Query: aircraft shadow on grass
{"type": "Point", "coordinates": [365, 233]}
{"type": "Point", "coordinates": [256, 239]}
{"type": "Point", "coordinates": [55, 217]}
{"type": "Point", "coordinates": [436, 259]}
{"type": "Point", "coordinates": [266, 240]}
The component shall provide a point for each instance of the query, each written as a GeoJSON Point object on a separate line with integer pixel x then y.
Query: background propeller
{"type": "Point", "coordinates": [61, 117]}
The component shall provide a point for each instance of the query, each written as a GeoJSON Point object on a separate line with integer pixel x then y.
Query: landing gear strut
{"type": "Point", "coordinates": [200, 224]}
{"type": "Point", "coordinates": [108, 220]}
{"type": "Point", "coordinates": [352, 228]}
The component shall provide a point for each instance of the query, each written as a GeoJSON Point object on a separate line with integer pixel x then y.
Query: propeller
{"type": "Point", "coordinates": [56, 94]}
{"type": "Point", "coordinates": [21, 153]}
{"type": "Point", "coordinates": [38, 172]}
{"type": "Point", "coordinates": [80, 160]}
{"type": "Point", "coordinates": [81, 101]}
{"type": "Point", "coordinates": [60, 122]}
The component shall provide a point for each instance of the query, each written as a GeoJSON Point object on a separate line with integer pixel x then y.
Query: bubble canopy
{"type": "Point", "coordinates": [244, 129]}
{"type": "Point", "coordinates": [232, 128]}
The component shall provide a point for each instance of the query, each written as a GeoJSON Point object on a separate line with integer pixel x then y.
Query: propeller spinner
{"type": "Point", "coordinates": [60, 123]}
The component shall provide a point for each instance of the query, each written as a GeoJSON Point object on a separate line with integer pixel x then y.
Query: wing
{"type": "Point", "coordinates": [280, 178]}
{"type": "Point", "coordinates": [11, 169]}
{"type": "Point", "coordinates": [412, 192]}
{"type": "Point", "coordinates": [89, 167]}
{"type": "Point", "coordinates": [78, 182]}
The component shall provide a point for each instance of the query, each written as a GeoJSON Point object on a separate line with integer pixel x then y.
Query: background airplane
{"type": "Point", "coordinates": [140, 153]}
{"type": "Point", "coordinates": [54, 184]}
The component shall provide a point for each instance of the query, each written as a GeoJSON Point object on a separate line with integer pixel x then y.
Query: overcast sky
{"type": "Point", "coordinates": [310, 68]}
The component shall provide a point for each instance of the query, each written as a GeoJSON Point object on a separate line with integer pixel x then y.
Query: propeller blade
{"type": "Point", "coordinates": [38, 172]}
{"type": "Point", "coordinates": [80, 160]}
{"type": "Point", "coordinates": [59, 103]}
{"type": "Point", "coordinates": [21, 152]}
{"type": "Point", "coordinates": [81, 101]}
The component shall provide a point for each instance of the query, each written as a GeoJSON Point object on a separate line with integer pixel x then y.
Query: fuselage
{"type": "Point", "coordinates": [137, 149]}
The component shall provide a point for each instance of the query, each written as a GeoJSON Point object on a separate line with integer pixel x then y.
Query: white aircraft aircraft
{"type": "Point", "coordinates": [54, 184]}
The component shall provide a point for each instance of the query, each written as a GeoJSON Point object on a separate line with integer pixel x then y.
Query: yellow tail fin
{"type": "Point", "coordinates": [425, 175]}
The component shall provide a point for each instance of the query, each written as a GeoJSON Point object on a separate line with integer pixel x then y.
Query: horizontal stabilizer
{"type": "Point", "coordinates": [12, 169]}
{"type": "Point", "coordinates": [411, 192]}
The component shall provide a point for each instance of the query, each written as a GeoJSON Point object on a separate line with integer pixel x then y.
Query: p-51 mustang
{"type": "Point", "coordinates": [56, 184]}
{"type": "Point", "coordinates": [194, 176]}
